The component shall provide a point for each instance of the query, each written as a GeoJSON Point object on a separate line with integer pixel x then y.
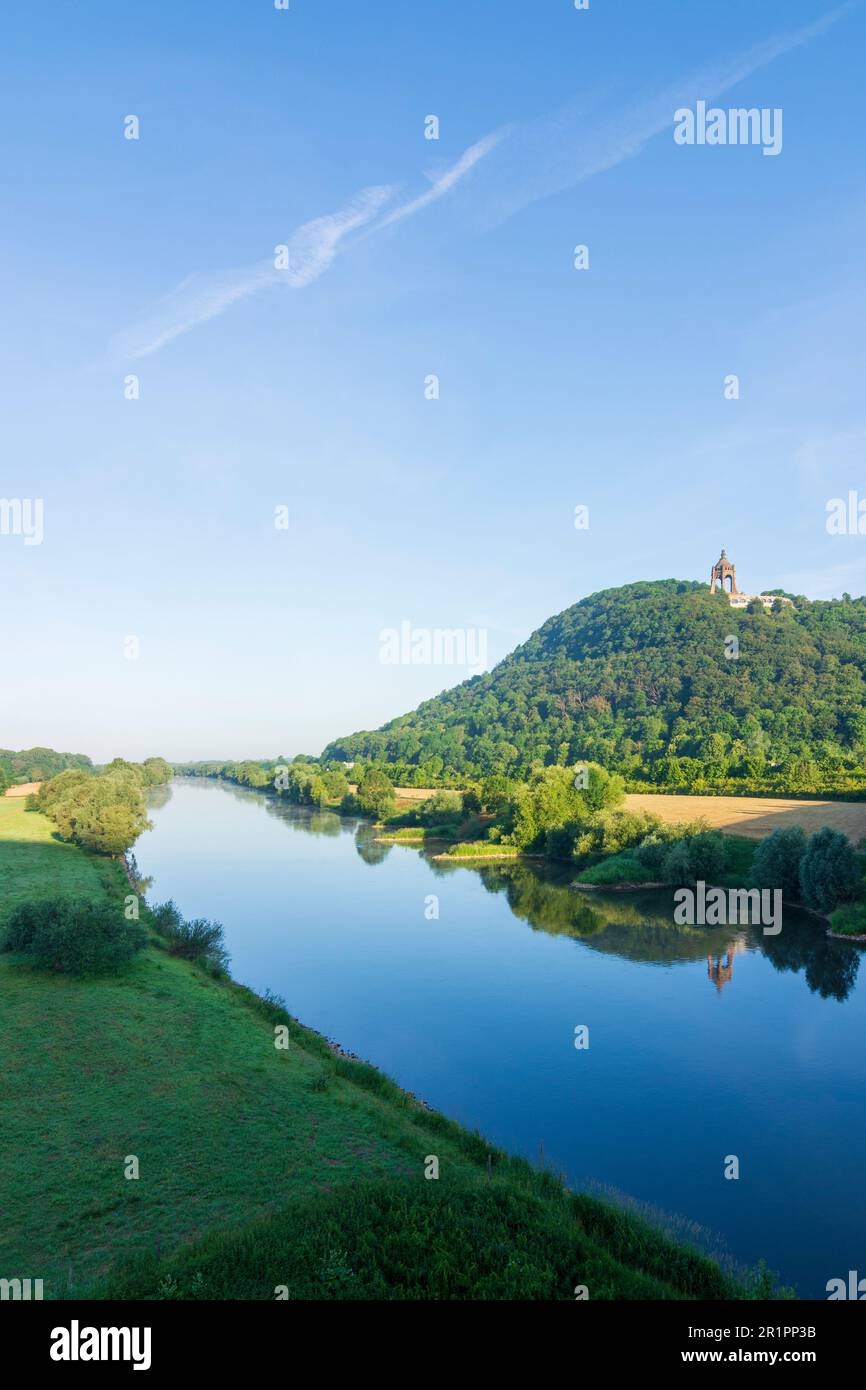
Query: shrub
{"type": "Point", "coordinates": [78, 938]}
{"type": "Point", "coordinates": [697, 857]}
{"type": "Point", "coordinates": [829, 873]}
{"type": "Point", "coordinates": [654, 849]}
{"type": "Point", "coordinates": [849, 920]}
{"type": "Point", "coordinates": [559, 842]}
{"type": "Point", "coordinates": [198, 940]}
{"type": "Point", "coordinates": [610, 832]}
{"type": "Point", "coordinates": [166, 917]}
{"type": "Point", "coordinates": [624, 868]}
{"type": "Point", "coordinates": [777, 862]}
{"type": "Point", "coordinates": [651, 853]}
{"type": "Point", "coordinates": [440, 808]}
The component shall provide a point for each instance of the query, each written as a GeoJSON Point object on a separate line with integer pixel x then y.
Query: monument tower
{"type": "Point", "coordinates": [723, 570]}
{"type": "Point", "coordinates": [725, 575]}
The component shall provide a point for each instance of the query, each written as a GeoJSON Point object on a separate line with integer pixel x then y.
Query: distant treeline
{"type": "Point", "coordinates": [303, 780]}
{"type": "Point", "coordinates": [102, 811]}
{"type": "Point", "coordinates": [37, 765]}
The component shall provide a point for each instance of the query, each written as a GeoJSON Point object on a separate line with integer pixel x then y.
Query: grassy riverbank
{"type": "Point", "coordinates": [259, 1169]}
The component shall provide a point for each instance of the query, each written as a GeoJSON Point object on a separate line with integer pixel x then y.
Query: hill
{"type": "Point", "coordinates": [645, 680]}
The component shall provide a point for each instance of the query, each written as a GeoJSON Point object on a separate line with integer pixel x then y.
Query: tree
{"type": "Point", "coordinates": [698, 857]}
{"type": "Point", "coordinates": [317, 792]}
{"type": "Point", "coordinates": [104, 813]}
{"type": "Point", "coordinates": [121, 765]}
{"type": "Point", "coordinates": [829, 871]}
{"type": "Point", "coordinates": [336, 784]}
{"type": "Point", "coordinates": [156, 772]}
{"type": "Point", "coordinates": [376, 794]}
{"type": "Point", "coordinates": [777, 862]}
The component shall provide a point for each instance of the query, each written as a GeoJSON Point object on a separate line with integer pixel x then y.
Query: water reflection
{"type": "Point", "coordinates": [157, 797]}
{"type": "Point", "coordinates": [633, 926]}
{"type": "Point", "coordinates": [640, 927]}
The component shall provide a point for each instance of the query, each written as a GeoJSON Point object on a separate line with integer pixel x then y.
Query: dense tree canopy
{"type": "Point", "coordinates": [105, 812]}
{"type": "Point", "coordinates": [38, 764]}
{"type": "Point", "coordinates": [645, 681]}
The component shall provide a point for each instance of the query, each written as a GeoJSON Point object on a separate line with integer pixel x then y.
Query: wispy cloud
{"type": "Point", "coordinates": [448, 179]}
{"type": "Point", "coordinates": [557, 152]}
{"type": "Point", "coordinates": [537, 159]}
{"type": "Point", "coordinates": [312, 249]}
{"type": "Point", "coordinates": [202, 296]}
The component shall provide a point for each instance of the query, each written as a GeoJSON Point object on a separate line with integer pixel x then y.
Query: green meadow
{"type": "Point", "coordinates": [259, 1168]}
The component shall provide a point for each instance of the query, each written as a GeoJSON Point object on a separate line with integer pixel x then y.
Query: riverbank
{"type": "Point", "coordinates": [259, 1167]}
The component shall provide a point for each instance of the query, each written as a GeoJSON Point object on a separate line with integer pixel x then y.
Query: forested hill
{"type": "Point", "coordinates": [644, 680]}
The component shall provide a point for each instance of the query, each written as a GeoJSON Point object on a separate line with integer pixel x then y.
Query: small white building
{"type": "Point", "coordinates": [725, 575]}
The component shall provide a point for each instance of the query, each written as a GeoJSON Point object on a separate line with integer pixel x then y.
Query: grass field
{"type": "Point", "coordinates": [34, 863]}
{"type": "Point", "coordinates": [754, 816]}
{"type": "Point", "coordinates": [258, 1167]}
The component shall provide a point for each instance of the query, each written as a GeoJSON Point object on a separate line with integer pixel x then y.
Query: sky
{"type": "Point", "coordinates": [245, 474]}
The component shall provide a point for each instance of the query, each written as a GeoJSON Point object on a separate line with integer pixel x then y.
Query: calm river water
{"type": "Point", "coordinates": [703, 1042]}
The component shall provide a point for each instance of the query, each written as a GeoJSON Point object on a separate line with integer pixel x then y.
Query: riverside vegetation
{"type": "Point", "coordinates": [264, 1172]}
{"type": "Point", "coordinates": [579, 819]}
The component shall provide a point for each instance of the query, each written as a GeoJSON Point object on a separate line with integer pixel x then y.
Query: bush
{"type": "Point", "coordinates": [651, 853]}
{"type": "Point", "coordinates": [829, 872]}
{"type": "Point", "coordinates": [777, 862]}
{"type": "Point", "coordinates": [623, 868]}
{"type": "Point", "coordinates": [441, 807]}
{"type": "Point", "coordinates": [198, 940]}
{"type": "Point", "coordinates": [610, 832]}
{"type": "Point", "coordinates": [559, 842]}
{"type": "Point", "coordinates": [697, 857]}
{"type": "Point", "coordinates": [849, 920]}
{"type": "Point", "coordinates": [78, 938]}
{"type": "Point", "coordinates": [655, 847]}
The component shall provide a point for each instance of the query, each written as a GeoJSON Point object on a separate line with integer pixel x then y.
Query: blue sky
{"type": "Point", "coordinates": [558, 387]}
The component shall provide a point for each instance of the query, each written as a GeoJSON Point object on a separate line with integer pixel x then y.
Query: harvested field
{"type": "Point", "coordinates": [407, 793]}
{"type": "Point", "coordinates": [754, 816]}
{"type": "Point", "coordinates": [25, 789]}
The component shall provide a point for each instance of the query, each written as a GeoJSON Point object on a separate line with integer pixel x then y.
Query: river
{"type": "Point", "coordinates": [704, 1043]}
